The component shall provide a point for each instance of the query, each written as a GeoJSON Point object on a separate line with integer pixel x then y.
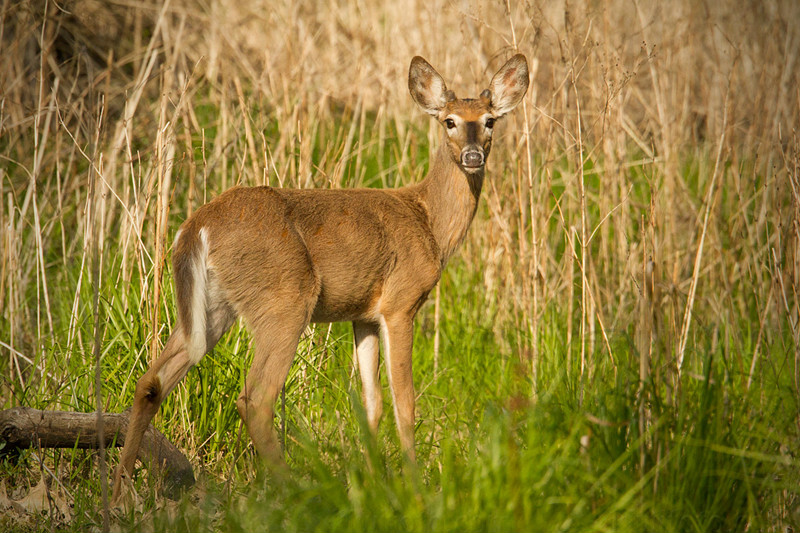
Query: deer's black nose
{"type": "Point", "coordinates": [472, 158]}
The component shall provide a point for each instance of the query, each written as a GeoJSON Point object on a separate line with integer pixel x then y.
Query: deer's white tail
{"type": "Point", "coordinates": [191, 285]}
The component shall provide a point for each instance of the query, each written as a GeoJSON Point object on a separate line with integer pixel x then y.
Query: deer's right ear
{"type": "Point", "coordinates": [426, 86]}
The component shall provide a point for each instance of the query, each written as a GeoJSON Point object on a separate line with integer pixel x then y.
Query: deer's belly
{"type": "Point", "coordinates": [346, 300]}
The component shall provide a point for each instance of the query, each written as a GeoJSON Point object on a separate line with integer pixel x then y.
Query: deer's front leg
{"type": "Point", "coordinates": [397, 333]}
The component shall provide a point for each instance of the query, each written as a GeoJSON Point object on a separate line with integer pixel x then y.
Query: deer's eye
{"type": "Point", "coordinates": [490, 123]}
{"type": "Point", "coordinates": [450, 123]}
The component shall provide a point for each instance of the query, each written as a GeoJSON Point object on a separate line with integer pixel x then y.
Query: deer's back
{"type": "Point", "coordinates": [360, 246]}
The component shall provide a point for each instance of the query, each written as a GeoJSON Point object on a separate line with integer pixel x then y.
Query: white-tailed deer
{"type": "Point", "coordinates": [282, 258]}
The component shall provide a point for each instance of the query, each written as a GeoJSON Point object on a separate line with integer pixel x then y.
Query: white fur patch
{"type": "Point", "coordinates": [387, 354]}
{"type": "Point", "coordinates": [367, 351]}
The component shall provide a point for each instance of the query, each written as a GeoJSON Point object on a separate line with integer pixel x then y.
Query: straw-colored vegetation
{"type": "Point", "coordinates": [614, 348]}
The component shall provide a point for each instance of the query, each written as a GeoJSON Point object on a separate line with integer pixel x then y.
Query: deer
{"type": "Point", "coordinates": [283, 258]}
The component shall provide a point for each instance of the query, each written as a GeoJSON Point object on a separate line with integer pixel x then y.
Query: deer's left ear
{"type": "Point", "coordinates": [509, 85]}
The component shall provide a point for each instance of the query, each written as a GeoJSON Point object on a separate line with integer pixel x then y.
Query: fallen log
{"type": "Point", "coordinates": [23, 427]}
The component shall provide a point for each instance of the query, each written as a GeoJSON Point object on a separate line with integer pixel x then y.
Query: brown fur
{"type": "Point", "coordinates": [282, 258]}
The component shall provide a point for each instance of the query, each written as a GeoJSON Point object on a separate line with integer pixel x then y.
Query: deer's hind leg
{"type": "Point", "coordinates": [275, 339]}
{"type": "Point", "coordinates": [277, 316]}
{"type": "Point", "coordinates": [151, 389]}
{"type": "Point", "coordinates": [160, 379]}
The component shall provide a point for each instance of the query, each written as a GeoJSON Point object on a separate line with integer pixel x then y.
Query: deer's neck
{"type": "Point", "coordinates": [451, 198]}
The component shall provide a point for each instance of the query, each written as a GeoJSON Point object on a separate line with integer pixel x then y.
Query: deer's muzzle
{"type": "Point", "coordinates": [472, 157]}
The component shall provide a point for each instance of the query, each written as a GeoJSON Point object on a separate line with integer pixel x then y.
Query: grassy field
{"type": "Point", "coordinates": [615, 347]}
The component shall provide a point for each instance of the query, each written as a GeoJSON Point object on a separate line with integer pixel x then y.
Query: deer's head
{"type": "Point", "coordinates": [468, 122]}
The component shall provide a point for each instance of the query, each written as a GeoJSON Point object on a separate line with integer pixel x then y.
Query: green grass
{"type": "Point", "coordinates": [716, 460]}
